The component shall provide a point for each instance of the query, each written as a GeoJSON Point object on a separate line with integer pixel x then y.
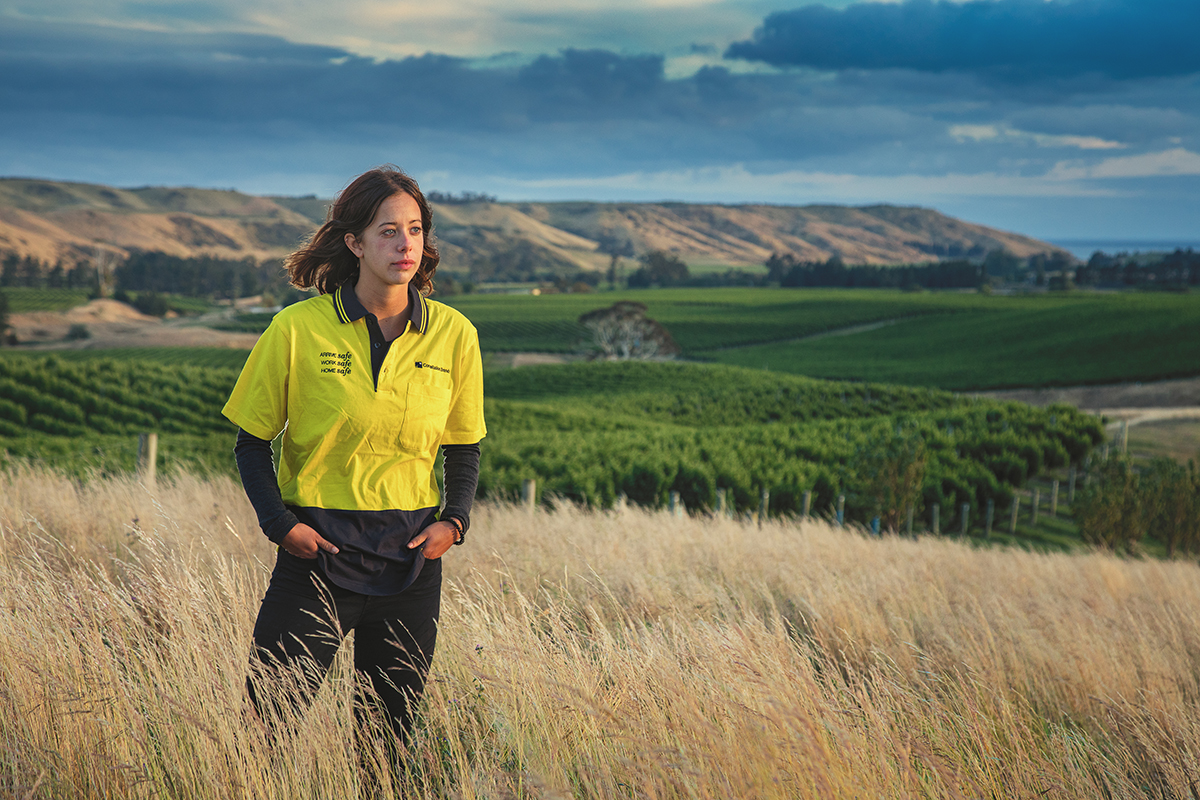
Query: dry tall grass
{"type": "Point", "coordinates": [599, 655]}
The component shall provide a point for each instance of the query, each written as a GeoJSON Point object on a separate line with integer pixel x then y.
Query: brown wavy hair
{"type": "Point", "coordinates": [325, 262]}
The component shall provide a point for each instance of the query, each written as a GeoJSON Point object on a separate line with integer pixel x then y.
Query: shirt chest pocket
{"type": "Point", "coordinates": [425, 411]}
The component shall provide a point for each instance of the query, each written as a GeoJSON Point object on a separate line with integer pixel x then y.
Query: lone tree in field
{"type": "Point", "coordinates": [660, 269]}
{"type": "Point", "coordinates": [623, 331]}
{"type": "Point", "coordinates": [615, 248]}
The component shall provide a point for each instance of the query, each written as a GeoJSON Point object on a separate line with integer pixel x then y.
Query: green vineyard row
{"type": "Point", "coordinates": [592, 432]}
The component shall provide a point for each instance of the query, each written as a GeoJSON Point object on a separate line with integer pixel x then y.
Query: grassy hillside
{"type": "Point", "coordinates": [52, 220]}
{"type": "Point", "coordinates": [598, 656]}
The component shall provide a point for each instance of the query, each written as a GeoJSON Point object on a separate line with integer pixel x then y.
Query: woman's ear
{"type": "Point", "coordinates": [352, 242]}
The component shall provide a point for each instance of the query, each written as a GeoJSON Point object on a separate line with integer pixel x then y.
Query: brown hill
{"type": "Point", "coordinates": [74, 222]}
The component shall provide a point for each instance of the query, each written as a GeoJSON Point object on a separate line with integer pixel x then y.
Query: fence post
{"type": "Point", "coordinates": [764, 504]}
{"type": "Point", "coordinates": [936, 522]}
{"type": "Point", "coordinates": [147, 458]}
{"type": "Point", "coordinates": [1012, 515]}
{"type": "Point", "coordinates": [966, 516]}
{"type": "Point", "coordinates": [529, 494]}
{"type": "Point", "coordinates": [807, 501]}
{"type": "Point", "coordinates": [1124, 436]}
{"type": "Point", "coordinates": [676, 505]}
{"type": "Point", "coordinates": [1071, 486]}
{"type": "Point", "coordinates": [991, 515]}
{"type": "Point", "coordinates": [1054, 499]}
{"type": "Point", "coordinates": [841, 510]}
{"type": "Point", "coordinates": [1104, 452]}
{"type": "Point", "coordinates": [721, 503]}
{"type": "Point", "coordinates": [908, 525]}
{"type": "Point", "coordinates": [1035, 503]}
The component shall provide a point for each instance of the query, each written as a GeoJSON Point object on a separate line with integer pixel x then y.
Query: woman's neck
{"type": "Point", "coordinates": [390, 305]}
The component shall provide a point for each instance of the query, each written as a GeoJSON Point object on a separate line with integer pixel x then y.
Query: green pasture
{"type": "Point", "coordinates": [952, 340]}
{"type": "Point", "coordinates": [23, 300]}
{"type": "Point", "coordinates": [211, 357]}
{"type": "Point", "coordinates": [698, 319]}
{"type": "Point", "coordinates": [1028, 341]}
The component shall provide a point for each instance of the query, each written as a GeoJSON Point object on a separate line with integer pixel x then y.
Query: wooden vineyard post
{"type": "Point", "coordinates": [676, 505]}
{"type": "Point", "coordinates": [935, 522]}
{"type": "Point", "coordinates": [721, 512]}
{"type": "Point", "coordinates": [841, 510]}
{"type": "Point", "coordinates": [807, 502]}
{"type": "Point", "coordinates": [1034, 505]}
{"type": "Point", "coordinates": [764, 504]}
{"type": "Point", "coordinates": [1124, 441]}
{"type": "Point", "coordinates": [966, 514]}
{"type": "Point", "coordinates": [1071, 476]}
{"type": "Point", "coordinates": [908, 525]}
{"type": "Point", "coordinates": [991, 515]}
{"type": "Point", "coordinates": [1012, 515]}
{"type": "Point", "coordinates": [1054, 499]}
{"type": "Point", "coordinates": [147, 458]}
{"type": "Point", "coordinates": [529, 494]}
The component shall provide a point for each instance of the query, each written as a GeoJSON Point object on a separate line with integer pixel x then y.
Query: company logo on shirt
{"type": "Point", "coordinates": [335, 363]}
{"type": "Point", "coordinates": [427, 365]}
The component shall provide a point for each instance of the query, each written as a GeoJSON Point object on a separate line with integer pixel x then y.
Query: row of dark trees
{"type": "Point", "coordinates": [787, 271]}
{"type": "Point", "coordinates": [1172, 270]}
{"type": "Point", "coordinates": [27, 271]}
{"type": "Point", "coordinates": [200, 276]}
{"type": "Point", "coordinates": [660, 268]}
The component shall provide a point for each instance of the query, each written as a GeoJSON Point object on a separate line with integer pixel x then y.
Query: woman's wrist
{"type": "Point", "coordinates": [460, 534]}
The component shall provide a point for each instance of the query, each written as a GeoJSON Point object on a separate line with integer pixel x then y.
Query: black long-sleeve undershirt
{"type": "Point", "coordinates": [460, 477]}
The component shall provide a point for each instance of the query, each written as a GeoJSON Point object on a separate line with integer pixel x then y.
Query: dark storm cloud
{"type": "Point", "coordinates": [160, 83]}
{"type": "Point", "coordinates": [1019, 39]}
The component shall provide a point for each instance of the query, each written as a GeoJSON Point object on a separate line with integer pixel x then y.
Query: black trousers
{"type": "Point", "coordinates": [304, 618]}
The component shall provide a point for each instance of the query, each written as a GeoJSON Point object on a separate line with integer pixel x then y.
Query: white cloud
{"type": "Point", "coordinates": [1168, 163]}
{"type": "Point", "coordinates": [400, 28]}
{"type": "Point", "coordinates": [1003, 133]}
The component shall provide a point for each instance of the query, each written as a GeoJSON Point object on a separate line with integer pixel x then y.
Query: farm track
{"type": "Point", "coordinates": [812, 337]}
{"type": "Point", "coordinates": [1174, 399]}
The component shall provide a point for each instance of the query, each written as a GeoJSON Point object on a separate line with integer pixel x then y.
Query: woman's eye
{"type": "Point", "coordinates": [415, 231]}
{"type": "Point", "coordinates": [388, 232]}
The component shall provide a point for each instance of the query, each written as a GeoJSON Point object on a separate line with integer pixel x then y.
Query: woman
{"type": "Point", "coordinates": [366, 381]}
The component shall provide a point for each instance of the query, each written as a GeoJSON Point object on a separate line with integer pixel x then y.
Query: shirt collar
{"type": "Point", "coordinates": [350, 309]}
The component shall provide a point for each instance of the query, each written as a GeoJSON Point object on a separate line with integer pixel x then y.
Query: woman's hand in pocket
{"type": "Point", "coordinates": [435, 540]}
{"type": "Point", "coordinates": [304, 542]}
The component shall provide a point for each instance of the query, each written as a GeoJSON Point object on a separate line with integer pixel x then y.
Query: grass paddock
{"type": "Point", "coordinates": [610, 655]}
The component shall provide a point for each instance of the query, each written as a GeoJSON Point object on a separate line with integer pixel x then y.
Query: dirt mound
{"type": "Point", "coordinates": [105, 310]}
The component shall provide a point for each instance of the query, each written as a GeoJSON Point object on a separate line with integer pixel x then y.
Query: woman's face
{"type": "Point", "coordinates": [389, 250]}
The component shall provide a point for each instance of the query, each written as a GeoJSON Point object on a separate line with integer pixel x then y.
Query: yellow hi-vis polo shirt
{"type": "Point", "coordinates": [349, 444]}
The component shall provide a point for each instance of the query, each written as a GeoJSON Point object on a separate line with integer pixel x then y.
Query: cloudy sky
{"type": "Point", "coordinates": [1058, 118]}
